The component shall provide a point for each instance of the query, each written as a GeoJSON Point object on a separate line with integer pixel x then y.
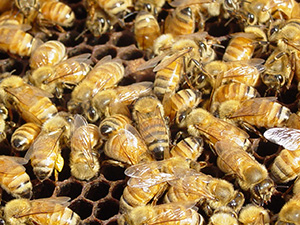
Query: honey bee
{"type": "Point", "coordinates": [55, 12]}
{"type": "Point", "coordinates": [253, 215]}
{"type": "Point", "coordinates": [45, 151]}
{"type": "Point", "coordinates": [180, 21]}
{"type": "Point", "coordinates": [246, 72]}
{"type": "Point", "coordinates": [32, 103]}
{"type": "Point", "coordinates": [230, 92]}
{"type": "Point", "coordinates": [278, 71]}
{"type": "Point", "coordinates": [16, 41]}
{"type": "Point", "coordinates": [28, 8]}
{"type": "Point", "coordinates": [111, 125]}
{"type": "Point", "coordinates": [115, 8]}
{"type": "Point", "coordinates": [3, 117]}
{"type": "Point", "coordinates": [11, 17]}
{"type": "Point", "coordinates": [259, 112]}
{"type": "Point", "coordinates": [242, 46]}
{"type": "Point", "coordinates": [105, 74]}
{"type": "Point", "coordinates": [148, 181]}
{"type": "Point", "coordinates": [262, 12]}
{"type": "Point", "coordinates": [148, 113]}
{"type": "Point", "coordinates": [251, 175]}
{"type": "Point", "coordinates": [67, 73]}
{"type": "Point", "coordinates": [127, 146]}
{"type": "Point", "coordinates": [146, 30]}
{"type": "Point", "coordinates": [289, 212]}
{"type": "Point", "coordinates": [200, 122]}
{"type": "Point", "coordinates": [24, 136]}
{"type": "Point", "coordinates": [49, 53]}
{"type": "Point", "coordinates": [190, 148]}
{"type": "Point", "coordinates": [154, 7]}
{"type": "Point", "coordinates": [212, 193]}
{"type": "Point", "coordinates": [98, 21]}
{"type": "Point", "coordinates": [84, 156]}
{"type": "Point", "coordinates": [40, 211]}
{"type": "Point", "coordinates": [181, 103]}
{"type": "Point", "coordinates": [170, 213]}
{"type": "Point", "coordinates": [285, 167]}
{"type": "Point", "coordinates": [109, 101]}
{"type": "Point", "coordinates": [14, 178]}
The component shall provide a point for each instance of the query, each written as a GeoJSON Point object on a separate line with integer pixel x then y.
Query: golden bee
{"type": "Point", "coordinates": [115, 100]}
{"type": "Point", "coordinates": [24, 136]}
{"type": "Point", "coordinates": [146, 30]}
{"type": "Point", "coordinates": [14, 178]}
{"type": "Point", "coordinates": [243, 45]}
{"type": "Point", "coordinates": [289, 212]}
{"type": "Point", "coordinates": [246, 72]}
{"type": "Point", "coordinates": [170, 213]}
{"type": "Point", "coordinates": [33, 104]}
{"type": "Point", "coordinates": [40, 211]}
{"type": "Point", "coordinates": [98, 21]}
{"type": "Point", "coordinates": [56, 13]}
{"type": "Point", "coordinates": [45, 151]}
{"type": "Point", "coordinates": [105, 74]}
{"type": "Point", "coordinates": [111, 125]}
{"type": "Point", "coordinates": [259, 112]}
{"type": "Point", "coordinates": [85, 140]}
{"type": "Point", "coordinates": [3, 117]}
{"type": "Point", "coordinates": [67, 73]}
{"type": "Point", "coordinates": [250, 174]}
{"type": "Point", "coordinates": [189, 147]}
{"type": "Point", "coordinates": [200, 122]}
{"type": "Point", "coordinates": [253, 215]}
{"type": "Point", "coordinates": [285, 166]}
{"type": "Point", "coordinates": [49, 53]}
{"type": "Point", "coordinates": [152, 6]}
{"type": "Point", "coordinates": [180, 21]}
{"type": "Point", "coordinates": [115, 8]}
{"type": "Point", "coordinates": [278, 71]}
{"type": "Point", "coordinates": [148, 113]}
{"type": "Point", "coordinates": [180, 104]}
{"type": "Point", "coordinates": [211, 193]}
{"type": "Point", "coordinates": [223, 215]}
{"type": "Point", "coordinates": [148, 181]}
{"type": "Point", "coordinates": [127, 146]}
{"type": "Point", "coordinates": [15, 40]}
{"type": "Point", "coordinates": [230, 92]}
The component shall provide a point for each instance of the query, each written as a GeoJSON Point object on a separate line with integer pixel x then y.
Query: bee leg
{"type": "Point", "coordinates": [251, 128]}
{"type": "Point", "coordinates": [114, 163]}
{"type": "Point", "coordinates": [59, 164]}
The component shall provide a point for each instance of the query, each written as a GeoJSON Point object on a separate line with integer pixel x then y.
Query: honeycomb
{"type": "Point", "coordinates": [97, 201]}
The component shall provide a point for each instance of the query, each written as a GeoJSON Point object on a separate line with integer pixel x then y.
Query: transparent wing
{"type": "Point", "coordinates": [289, 138]}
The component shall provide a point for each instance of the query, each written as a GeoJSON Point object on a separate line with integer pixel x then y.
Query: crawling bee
{"type": "Point", "coordinates": [67, 73]}
{"type": "Point", "coordinates": [289, 212]}
{"type": "Point", "coordinates": [14, 178]}
{"type": "Point", "coordinates": [148, 113]}
{"type": "Point", "coordinates": [285, 167]}
{"type": "Point", "coordinates": [40, 211]}
{"type": "Point", "coordinates": [85, 139]}
{"type": "Point", "coordinates": [251, 175]}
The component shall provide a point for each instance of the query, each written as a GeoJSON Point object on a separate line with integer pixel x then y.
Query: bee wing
{"type": "Point", "coordinates": [289, 138]}
{"type": "Point", "coordinates": [245, 67]}
{"type": "Point", "coordinates": [21, 92]}
{"type": "Point", "coordinates": [50, 139]}
{"type": "Point", "coordinates": [170, 212]}
{"type": "Point", "coordinates": [79, 121]}
{"type": "Point", "coordinates": [23, 27]}
{"type": "Point", "coordinates": [19, 160]}
{"type": "Point", "coordinates": [152, 62]}
{"type": "Point", "coordinates": [177, 3]}
{"type": "Point", "coordinates": [46, 205]}
{"type": "Point", "coordinates": [8, 167]}
{"type": "Point", "coordinates": [167, 61]}
{"type": "Point", "coordinates": [105, 59]}
{"type": "Point", "coordinates": [251, 107]}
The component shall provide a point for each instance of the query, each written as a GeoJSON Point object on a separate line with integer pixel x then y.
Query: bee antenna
{"type": "Point", "coordinates": [81, 34]}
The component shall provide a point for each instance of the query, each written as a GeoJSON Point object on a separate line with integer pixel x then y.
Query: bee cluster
{"type": "Point", "coordinates": [149, 111]}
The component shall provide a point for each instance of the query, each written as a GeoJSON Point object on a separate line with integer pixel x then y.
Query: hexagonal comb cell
{"type": "Point", "coordinates": [107, 209]}
{"type": "Point", "coordinates": [97, 190]}
{"type": "Point", "coordinates": [71, 189]}
{"type": "Point", "coordinates": [82, 207]}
